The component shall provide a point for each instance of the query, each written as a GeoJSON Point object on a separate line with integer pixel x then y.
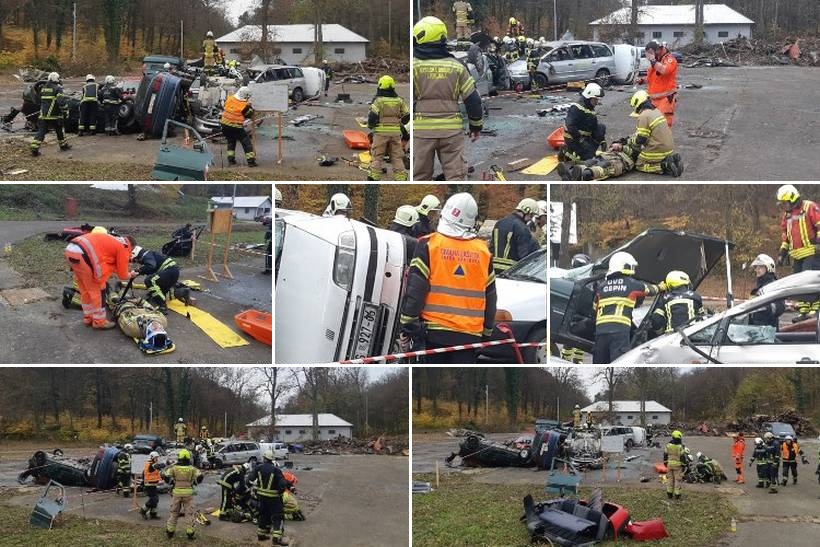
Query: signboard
{"type": "Point", "coordinates": [613, 444]}
{"type": "Point", "coordinates": [556, 218]}
{"type": "Point", "coordinates": [269, 96]}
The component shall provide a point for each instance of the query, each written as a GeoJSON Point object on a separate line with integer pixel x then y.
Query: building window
{"type": "Point", "coordinates": [629, 417]}
{"type": "Point", "coordinates": [657, 34]}
{"type": "Point", "coordinates": [655, 417]}
{"type": "Point", "coordinates": [723, 34]}
{"type": "Point", "coordinates": [297, 50]}
{"type": "Point", "coordinates": [339, 51]}
{"type": "Point", "coordinates": [302, 432]}
{"type": "Point", "coordinates": [678, 34]}
{"type": "Point", "coordinates": [233, 50]}
{"type": "Point", "coordinates": [331, 431]}
{"type": "Point", "coordinates": [288, 432]}
{"type": "Point", "coordinates": [247, 210]}
{"type": "Point", "coordinates": [640, 35]}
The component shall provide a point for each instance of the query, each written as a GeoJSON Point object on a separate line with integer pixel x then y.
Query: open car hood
{"type": "Point", "coordinates": [659, 251]}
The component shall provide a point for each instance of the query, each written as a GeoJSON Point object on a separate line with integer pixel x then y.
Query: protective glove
{"type": "Point", "coordinates": [662, 286]}
{"type": "Point", "coordinates": [411, 330]}
{"type": "Point", "coordinates": [784, 256]}
{"type": "Point", "coordinates": [475, 132]}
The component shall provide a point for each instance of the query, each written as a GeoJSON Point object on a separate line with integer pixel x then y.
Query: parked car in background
{"type": "Point", "coordinates": [576, 60]}
{"type": "Point", "coordinates": [231, 452]}
{"type": "Point", "coordinates": [293, 76]}
{"type": "Point", "coordinates": [627, 63]}
{"type": "Point", "coordinates": [633, 435]}
{"type": "Point", "coordinates": [152, 64]}
{"type": "Point", "coordinates": [145, 443]}
{"type": "Point", "coordinates": [780, 430]}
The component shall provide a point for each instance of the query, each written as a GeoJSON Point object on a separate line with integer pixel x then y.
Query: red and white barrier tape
{"type": "Point", "coordinates": [419, 353]}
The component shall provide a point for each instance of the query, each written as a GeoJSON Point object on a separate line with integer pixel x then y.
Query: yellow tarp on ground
{"type": "Point", "coordinates": [210, 325]}
{"type": "Point", "coordinates": [542, 167]}
{"type": "Point", "coordinates": [364, 159]}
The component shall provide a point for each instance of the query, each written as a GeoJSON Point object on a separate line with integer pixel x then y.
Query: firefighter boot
{"type": "Point", "coordinates": [65, 146]}
{"type": "Point", "coordinates": [281, 540]}
{"type": "Point", "coordinates": [784, 482]}
{"type": "Point", "coordinates": [190, 533]}
{"type": "Point", "coordinates": [169, 534]}
{"type": "Point", "coordinates": [252, 162]}
{"type": "Point", "coordinates": [144, 513]}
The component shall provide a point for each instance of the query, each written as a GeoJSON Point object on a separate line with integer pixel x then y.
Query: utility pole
{"type": "Point", "coordinates": [389, 23]}
{"type": "Point", "coordinates": [555, 19]}
{"type": "Point", "coordinates": [150, 415]}
{"type": "Point", "coordinates": [558, 409]}
{"type": "Point", "coordinates": [74, 32]}
{"type": "Point", "coordinates": [366, 424]}
{"type": "Point", "coordinates": [486, 404]}
{"type": "Point", "coordinates": [181, 39]}
{"type": "Point", "coordinates": [225, 428]}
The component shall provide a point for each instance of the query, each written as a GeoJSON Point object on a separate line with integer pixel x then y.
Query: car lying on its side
{"type": "Point", "coordinates": [728, 338]}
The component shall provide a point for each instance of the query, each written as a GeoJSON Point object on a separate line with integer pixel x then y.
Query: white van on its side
{"type": "Point", "coordinates": [627, 63]}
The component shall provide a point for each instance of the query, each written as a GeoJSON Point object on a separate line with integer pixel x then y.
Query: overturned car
{"type": "Point", "coordinates": [100, 473]}
{"type": "Point", "coordinates": [476, 451]}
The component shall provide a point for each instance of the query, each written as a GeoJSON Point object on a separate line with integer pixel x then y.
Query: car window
{"type": "Point", "coordinates": [297, 73]}
{"type": "Point", "coordinates": [601, 50]}
{"type": "Point", "coordinates": [281, 74]}
{"type": "Point", "coordinates": [559, 54]}
{"type": "Point", "coordinates": [581, 51]}
{"type": "Point", "coordinates": [704, 336]}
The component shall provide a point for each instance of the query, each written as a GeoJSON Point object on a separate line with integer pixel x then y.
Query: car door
{"type": "Point", "coordinates": [561, 63]}
{"type": "Point", "coordinates": [583, 66]}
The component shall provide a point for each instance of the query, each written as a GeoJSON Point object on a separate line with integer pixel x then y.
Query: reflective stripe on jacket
{"type": "Point", "coordinates": [652, 126]}
{"type": "Point", "coordinates": [390, 111]}
{"type": "Point", "coordinates": [674, 454]}
{"type": "Point", "coordinates": [439, 83]}
{"type": "Point", "coordinates": [90, 93]}
{"type": "Point", "coordinates": [51, 95]}
{"type": "Point", "coordinates": [799, 229]}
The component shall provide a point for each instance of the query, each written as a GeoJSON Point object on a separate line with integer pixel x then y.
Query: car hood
{"type": "Point", "coordinates": [659, 251]}
{"type": "Point", "coordinates": [517, 66]}
{"type": "Point", "coordinates": [525, 300]}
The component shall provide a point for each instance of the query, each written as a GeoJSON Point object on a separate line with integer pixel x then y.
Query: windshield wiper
{"type": "Point", "coordinates": [526, 277]}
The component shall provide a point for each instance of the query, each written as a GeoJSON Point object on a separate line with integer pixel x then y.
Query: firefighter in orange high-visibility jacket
{"type": "Point", "coordinates": [450, 297]}
{"type": "Point", "coordinates": [237, 117]}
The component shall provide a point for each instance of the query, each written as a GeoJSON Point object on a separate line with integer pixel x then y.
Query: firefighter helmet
{"type": "Point", "coordinates": [387, 82]}
{"type": "Point", "coordinates": [521, 39]}
{"type": "Point", "coordinates": [89, 78]}
{"type": "Point", "coordinates": [513, 21]}
{"type": "Point", "coordinates": [339, 203]}
{"type": "Point", "coordinates": [458, 216]}
{"type": "Point", "coordinates": [153, 454]}
{"type": "Point", "coordinates": [592, 90]}
{"type": "Point", "coordinates": [166, 66]}
{"type": "Point", "coordinates": [99, 230]}
{"type": "Point", "coordinates": [430, 30]}
{"type": "Point", "coordinates": [758, 440]}
{"type": "Point", "coordinates": [639, 98]}
{"type": "Point", "coordinates": [244, 93]}
{"type": "Point", "coordinates": [677, 434]}
{"type": "Point", "coordinates": [543, 208]}
{"type": "Point", "coordinates": [184, 454]}
{"type": "Point", "coordinates": [789, 438]}
{"type": "Point", "coordinates": [209, 34]}
{"type": "Point", "coordinates": [128, 446]}
{"type": "Point", "coordinates": [528, 206]}
{"type": "Point", "coordinates": [269, 455]}
{"type": "Point", "coordinates": [579, 260]}
{"type": "Point", "coordinates": [180, 420]}
{"type": "Point", "coordinates": [53, 77]}
{"type": "Point", "coordinates": [677, 278]}
{"type": "Point", "coordinates": [765, 261]}
{"type": "Point", "coordinates": [768, 436]}
{"type": "Point", "coordinates": [429, 203]}
{"type": "Point", "coordinates": [622, 262]}
{"type": "Point", "coordinates": [135, 252]}
{"type": "Point", "coordinates": [406, 215]}
{"type": "Point", "coordinates": [109, 79]}
{"type": "Point", "coordinates": [788, 193]}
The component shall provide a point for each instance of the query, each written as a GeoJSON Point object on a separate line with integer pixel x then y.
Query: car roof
{"type": "Point", "coordinates": [161, 58]}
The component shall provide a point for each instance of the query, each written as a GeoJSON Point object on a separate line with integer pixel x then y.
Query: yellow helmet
{"type": "Point", "coordinates": [677, 278]}
{"type": "Point", "coordinates": [99, 230]}
{"type": "Point", "coordinates": [513, 21]}
{"type": "Point", "coordinates": [184, 454]}
{"type": "Point", "coordinates": [640, 97]}
{"type": "Point", "coordinates": [522, 39]}
{"type": "Point", "coordinates": [429, 30]}
{"type": "Point", "coordinates": [788, 193]}
{"type": "Point", "coordinates": [387, 82]}
{"type": "Point", "coordinates": [677, 434]}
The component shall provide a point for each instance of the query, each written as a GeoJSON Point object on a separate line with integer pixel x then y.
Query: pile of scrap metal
{"type": "Point", "coordinates": [577, 523]}
{"type": "Point", "coordinates": [584, 449]}
{"type": "Point", "coordinates": [537, 450]}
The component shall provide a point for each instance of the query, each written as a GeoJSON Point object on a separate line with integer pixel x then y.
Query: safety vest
{"type": "Point", "coordinates": [233, 115]}
{"type": "Point", "coordinates": [661, 85]}
{"type": "Point", "coordinates": [801, 231]}
{"type": "Point", "coordinates": [789, 454]}
{"type": "Point", "coordinates": [438, 85]}
{"type": "Point", "coordinates": [390, 111]}
{"type": "Point", "coordinates": [50, 95]}
{"type": "Point", "coordinates": [458, 277]}
{"type": "Point", "coordinates": [184, 477]}
{"type": "Point", "coordinates": [151, 478]}
{"type": "Point", "coordinates": [90, 91]}
{"type": "Point", "coordinates": [674, 452]}
{"type": "Point", "coordinates": [660, 144]}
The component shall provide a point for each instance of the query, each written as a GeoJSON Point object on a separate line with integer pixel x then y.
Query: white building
{"type": "Point", "coordinates": [628, 412]}
{"type": "Point", "coordinates": [291, 428]}
{"type": "Point", "coordinates": [246, 207]}
{"type": "Point", "coordinates": [676, 24]}
{"type": "Point", "coordinates": [293, 44]}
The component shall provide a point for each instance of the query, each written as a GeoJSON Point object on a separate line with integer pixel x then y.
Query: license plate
{"type": "Point", "coordinates": [364, 338]}
{"type": "Point", "coordinates": [151, 104]}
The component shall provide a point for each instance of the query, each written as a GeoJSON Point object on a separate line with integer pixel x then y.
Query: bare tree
{"type": "Point", "coordinates": [313, 381]}
{"type": "Point", "coordinates": [274, 384]}
{"type": "Point", "coordinates": [611, 378]}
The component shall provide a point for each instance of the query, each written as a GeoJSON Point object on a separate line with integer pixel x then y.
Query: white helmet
{"type": "Point", "coordinates": [788, 193]}
{"type": "Point", "coordinates": [429, 203]}
{"type": "Point", "coordinates": [109, 79]}
{"type": "Point", "coordinates": [622, 262]}
{"type": "Point", "coordinates": [406, 215]}
{"type": "Point", "coordinates": [180, 420]}
{"type": "Point", "coordinates": [789, 438]}
{"type": "Point", "coordinates": [243, 93]}
{"type": "Point", "coordinates": [543, 208]}
{"type": "Point", "coordinates": [135, 252]}
{"type": "Point", "coordinates": [246, 466]}
{"type": "Point", "coordinates": [528, 206]}
{"type": "Point", "coordinates": [768, 435]}
{"type": "Point", "coordinates": [209, 34]}
{"type": "Point", "coordinates": [530, 42]}
{"type": "Point", "coordinates": [198, 447]}
{"type": "Point", "coordinates": [153, 454]}
{"type": "Point", "coordinates": [89, 77]}
{"type": "Point", "coordinates": [277, 196]}
{"type": "Point", "coordinates": [339, 203]}
{"type": "Point", "coordinates": [128, 446]}
{"type": "Point", "coordinates": [758, 440]}
{"type": "Point", "coordinates": [458, 216]}
{"type": "Point", "coordinates": [698, 455]}
{"type": "Point", "coordinates": [592, 90]}
{"type": "Point", "coordinates": [508, 40]}
{"type": "Point", "coordinates": [268, 455]}
{"type": "Point", "coordinates": [53, 77]}
{"type": "Point", "coordinates": [764, 260]}
{"type": "Point", "coordinates": [167, 66]}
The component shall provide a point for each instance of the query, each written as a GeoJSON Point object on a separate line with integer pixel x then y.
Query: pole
{"type": "Point", "coordinates": [730, 301]}
{"type": "Point", "coordinates": [74, 32]}
{"type": "Point", "coordinates": [389, 23]}
{"type": "Point", "coordinates": [558, 409]}
{"type": "Point", "coordinates": [555, 19]}
{"type": "Point", "coordinates": [150, 416]}
{"type": "Point", "coordinates": [225, 429]}
{"type": "Point", "coordinates": [181, 38]}
{"type": "Point", "coordinates": [486, 403]}
{"type": "Point", "coordinates": [366, 424]}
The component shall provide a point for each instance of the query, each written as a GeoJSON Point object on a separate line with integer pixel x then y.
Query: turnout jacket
{"type": "Point", "coordinates": [677, 307]}
{"type": "Point", "coordinates": [615, 298]}
{"type": "Point", "coordinates": [770, 315]}
{"type": "Point", "coordinates": [799, 228]}
{"type": "Point", "coordinates": [153, 262]}
{"type": "Point", "coordinates": [511, 241]}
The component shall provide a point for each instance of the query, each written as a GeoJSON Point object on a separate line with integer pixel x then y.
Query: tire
{"type": "Point", "coordinates": [472, 442]}
{"type": "Point", "coordinates": [541, 79]}
{"type": "Point", "coordinates": [524, 455]}
{"type": "Point", "coordinates": [536, 355]}
{"type": "Point", "coordinates": [603, 77]}
{"type": "Point", "coordinates": [298, 95]}
{"type": "Point", "coordinates": [630, 444]}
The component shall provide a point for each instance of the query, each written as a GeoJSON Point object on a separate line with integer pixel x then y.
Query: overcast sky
{"type": "Point", "coordinates": [237, 7]}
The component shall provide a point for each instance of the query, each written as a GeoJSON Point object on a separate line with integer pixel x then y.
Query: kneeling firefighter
{"type": "Point", "coordinates": [161, 274]}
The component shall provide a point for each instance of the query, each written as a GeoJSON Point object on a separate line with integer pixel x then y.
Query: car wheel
{"type": "Point", "coordinates": [603, 77]}
{"type": "Point", "coordinates": [298, 95]}
{"type": "Point", "coordinates": [536, 355]}
{"type": "Point", "coordinates": [540, 79]}
{"type": "Point", "coordinates": [629, 444]}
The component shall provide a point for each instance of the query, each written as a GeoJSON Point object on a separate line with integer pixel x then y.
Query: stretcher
{"type": "Point", "coordinates": [216, 330]}
{"type": "Point", "coordinates": [257, 323]}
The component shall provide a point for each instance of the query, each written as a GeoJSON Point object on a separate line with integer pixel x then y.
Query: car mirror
{"type": "Point", "coordinates": [199, 146]}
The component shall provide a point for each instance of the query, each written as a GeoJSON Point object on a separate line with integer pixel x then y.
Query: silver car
{"type": "Point", "coordinates": [575, 61]}
{"type": "Point", "coordinates": [728, 338]}
{"type": "Point", "coordinates": [291, 75]}
{"type": "Point", "coordinates": [231, 452]}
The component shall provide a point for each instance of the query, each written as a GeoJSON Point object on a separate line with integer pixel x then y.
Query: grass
{"type": "Point", "coordinates": [71, 530]}
{"type": "Point", "coordinates": [42, 264]}
{"type": "Point", "coordinates": [447, 417]}
{"type": "Point", "coordinates": [463, 512]}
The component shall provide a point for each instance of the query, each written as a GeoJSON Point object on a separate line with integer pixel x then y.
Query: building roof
{"type": "Point", "coordinates": [683, 14]}
{"type": "Point", "coordinates": [243, 201]}
{"type": "Point", "coordinates": [293, 33]}
{"type": "Point", "coordinates": [625, 406]}
{"type": "Point", "coordinates": [301, 420]}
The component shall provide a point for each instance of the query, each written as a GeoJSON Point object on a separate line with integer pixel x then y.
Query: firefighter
{"type": "Point", "coordinates": [738, 450]}
{"type": "Point", "coordinates": [515, 28]}
{"type": "Point", "coordinates": [180, 429]}
{"type": "Point", "coordinates": [405, 218]}
{"type": "Point", "coordinates": [537, 225]}
{"type": "Point", "coordinates": [773, 446]}
{"type": "Point", "coordinates": [111, 96]}
{"type": "Point", "coordinates": [789, 450]}
{"type": "Point", "coordinates": [650, 150]}
{"type": "Point", "coordinates": [328, 70]}
{"type": "Point", "coordinates": [512, 240]}
{"type": "Point", "coordinates": [93, 257]}
{"type": "Point", "coordinates": [799, 228]}
{"type": "Point", "coordinates": [388, 113]}
{"type": "Point", "coordinates": [184, 476]}
{"type": "Point", "coordinates": [762, 460]}
{"type": "Point", "coordinates": [339, 205]}
{"type": "Point", "coordinates": [429, 207]}
{"type": "Point", "coordinates": [672, 458]}
{"type": "Point", "coordinates": [231, 482]}
{"type": "Point", "coordinates": [236, 117]}
{"type": "Point", "coordinates": [464, 15]}
{"type": "Point", "coordinates": [679, 306]}
{"type": "Point", "coordinates": [151, 478]}
{"type": "Point", "coordinates": [576, 417]}
{"type": "Point", "coordinates": [661, 79]}
{"type": "Point", "coordinates": [269, 483]}
{"type": "Point", "coordinates": [89, 102]}
{"type": "Point", "coordinates": [52, 109]}
{"type": "Point", "coordinates": [203, 433]}
{"type": "Point", "coordinates": [161, 274]}
{"type": "Point", "coordinates": [210, 53]}
{"type": "Point", "coordinates": [615, 299]}
{"type": "Point", "coordinates": [439, 81]}
{"type": "Point", "coordinates": [450, 298]}
{"type": "Point", "coordinates": [764, 269]}
{"type": "Point", "coordinates": [124, 471]}
{"type": "Point", "coordinates": [570, 353]}
{"type": "Point", "coordinates": [584, 135]}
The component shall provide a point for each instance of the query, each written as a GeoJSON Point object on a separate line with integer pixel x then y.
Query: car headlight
{"type": "Point", "coordinates": [345, 260]}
